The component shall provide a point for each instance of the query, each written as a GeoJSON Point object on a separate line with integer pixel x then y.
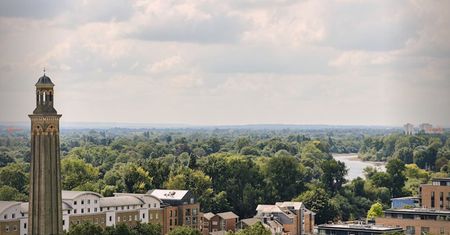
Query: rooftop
{"type": "Point", "coordinates": [44, 81]}
{"type": "Point", "coordinates": [364, 227]}
{"type": "Point", "coordinates": [168, 194]}
{"type": "Point", "coordinates": [120, 201]}
{"type": "Point", "coordinates": [7, 204]}
{"type": "Point", "coordinates": [420, 211]}
{"type": "Point", "coordinates": [70, 195]}
{"type": "Point", "coordinates": [208, 215]}
{"type": "Point", "coordinates": [250, 221]}
{"type": "Point", "coordinates": [228, 215]}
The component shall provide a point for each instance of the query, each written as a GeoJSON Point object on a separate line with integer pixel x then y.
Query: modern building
{"type": "Point", "coordinates": [405, 202]}
{"type": "Point", "coordinates": [355, 229]}
{"type": "Point", "coordinates": [436, 195]}
{"type": "Point", "coordinates": [226, 221]}
{"type": "Point", "coordinates": [45, 207]}
{"type": "Point", "coordinates": [180, 208]}
{"type": "Point", "coordinates": [417, 220]}
{"type": "Point", "coordinates": [286, 218]}
{"type": "Point", "coordinates": [431, 217]}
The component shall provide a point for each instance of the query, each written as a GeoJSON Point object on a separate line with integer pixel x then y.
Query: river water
{"type": "Point", "coordinates": [355, 166]}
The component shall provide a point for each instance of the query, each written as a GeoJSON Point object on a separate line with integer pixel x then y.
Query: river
{"type": "Point", "coordinates": [355, 166]}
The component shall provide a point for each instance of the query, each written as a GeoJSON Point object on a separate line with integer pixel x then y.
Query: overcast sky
{"type": "Point", "coordinates": [367, 62]}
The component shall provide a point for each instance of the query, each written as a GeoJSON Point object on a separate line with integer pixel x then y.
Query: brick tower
{"type": "Point", "coordinates": [45, 207]}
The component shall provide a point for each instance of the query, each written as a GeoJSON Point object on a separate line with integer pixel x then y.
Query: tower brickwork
{"type": "Point", "coordinates": [45, 203]}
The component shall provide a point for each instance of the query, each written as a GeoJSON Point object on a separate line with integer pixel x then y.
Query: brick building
{"type": "Point", "coordinates": [226, 221]}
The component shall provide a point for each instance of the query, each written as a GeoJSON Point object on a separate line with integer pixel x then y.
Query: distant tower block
{"type": "Point", "coordinates": [45, 207]}
{"type": "Point", "coordinates": [409, 129]}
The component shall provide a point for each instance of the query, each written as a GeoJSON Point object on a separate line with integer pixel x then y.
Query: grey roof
{"type": "Point", "coordinates": [228, 215]}
{"type": "Point", "coordinates": [120, 201]}
{"type": "Point", "coordinates": [296, 205]}
{"type": "Point", "coordinates": [419, 211]}
{"type": "Point", "coordinates": [24, 207]}
{"type": "Point", "coordinates": [250, 221]}
{"type": "Point", "coordinates": [7, 204]}
{"type": "Point", "coordinates": [168, 194]}
{"type": "Point", "coordinates": [139, 195]}
{"type": "Point", "coordinates": [70, 195]}
{"type": "Point", "coordinates": [208, 215]}
{"type": "Point", "coordinates": [268, 209]}
{"type": "Point", "coordinates": [44, 81]}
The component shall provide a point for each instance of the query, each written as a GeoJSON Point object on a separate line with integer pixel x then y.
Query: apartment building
{"type": "Point", "coordinates": [180, 208]}
{"type": "Point", "coordinates": [417, 220]}
{"type": "Point", "coordinates": [226, 221]}
{"type": "Point", "coordinates": [436, 195]}
{"type": "Point", "coordinates": [169, 208]}
{"type": "Point", "coordinates": [432, 216]}
{"type": "Point", "coordinates": [286, 218]}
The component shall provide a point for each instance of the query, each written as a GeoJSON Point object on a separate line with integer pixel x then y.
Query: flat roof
{"type": "Point", "coordinates": [419, 211]}
{"type": "Point", "coordinates": [358, 227]}
{"type": "Point", "coordinates": [397, 198]}
{"type": "Point", "coordinates": [168, 194]}
{"type": "Point", "coordinates": [441, 179]}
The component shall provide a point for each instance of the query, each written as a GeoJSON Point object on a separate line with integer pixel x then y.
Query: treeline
{"type": "Point", "coordinates": [431, 152]}
{"type": "Point", "coordinates": [225, 169]}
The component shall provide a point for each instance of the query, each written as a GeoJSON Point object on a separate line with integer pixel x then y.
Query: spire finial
{"type": "Point", "coordinates": [44, 71]}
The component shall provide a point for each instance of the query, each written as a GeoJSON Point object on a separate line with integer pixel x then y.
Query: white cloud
{"type": "Point", "coordinates": [225, 62]}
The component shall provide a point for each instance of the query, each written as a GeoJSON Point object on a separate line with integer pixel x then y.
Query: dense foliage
{"type": "Point", "coordinates": [120, 229]}
{"type": "Point", "coordinates": [234, 169]}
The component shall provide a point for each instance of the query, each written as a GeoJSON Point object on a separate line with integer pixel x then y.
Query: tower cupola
{"type": "Point", "coordinates": [44, 96]}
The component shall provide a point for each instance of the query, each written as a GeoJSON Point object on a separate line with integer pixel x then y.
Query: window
{"type": "Point", "coordinates": [82, 210]}
{"type": "Point", "coordinates": [82, 202]}
{"type": "Point", "coordinates": [151, 216]}
{"type": "Point", "coordinates": [95, 201]}
{"type": "Point", "coordinates": [432, 200]}
{"type": "Point", "coordinates": [156, 216]}
{"type": "Point", "coordinates": [110, 218]}
{"type": "Point", "coordinates": [135, 217]}
{"type": "Point", "coordinates": [128, 207]}
{"type": "Point", "coordinates": [24, 225]}
{"type": "Point", "coordinates": [74, 202]}
{"type": "Point", "coordinates": [154, 205]}
{"type": "Point", "coordinates": [129, 217]}
{"type": "Point", "coordinates": [442, 230]}
{"type": "Point", "coordinates": [95, 209]}
{"type": "Point", "coordinates": [7, 228]}
{"type": "Point", "coordinates": [170, 214]}
{"type": "Point", "coordinates": [122, 207]}
{"type": "Point", "coordinates": [5, 216]}
{"type": "Point", "coordinates": [89, 210]}
{"type": "Point", "coordinates": [15, 228]}
{"type": "Point", "coordinates": [118, 218]}
{"type": "Point", "coordinates": [194, 211]}
{"type": "Point", "coordinates": [68, 212]}
{"type": "Point", "coordinates": [425, 230]}
{"type": "Point", "coordinates": [13, 215]}
{"type": "Point", "coordinates": [143, 216]}
{"type": "Point", "coordinates": [170, 222]}
{"type": "Point", "coordinates": [74, 211]}
{"type": "Point", "coordinates": [64, 221]}
{"type": "Point", "coordinates": [89, 201]}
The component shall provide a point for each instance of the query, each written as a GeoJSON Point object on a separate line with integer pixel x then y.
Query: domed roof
{"type": "Point", "coordinates": [44, 81]}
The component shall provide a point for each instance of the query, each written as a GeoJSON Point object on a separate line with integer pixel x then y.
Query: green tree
{"type": "Point", "coordinates": [376, 210]}
{"type": "Point", "coordinates": [85, 228]}
{"type": "Point", "coordinates": [333, 176]}
{"type": "Point", "coordinates": [14, 175]}
{"type": "Point", "coordinates": [75, 172]}
{"type": "Point", "coordinates": [184, 230]}
{"type": "Point", "coordinates": [318, 201]}
{"type": "Point", "coordinates": [256, 229]}
{"type": "Point", "coordinates": [396, 170]}
{"type": "Point", "coordinates": [284, 176]}
{"type": "Point", "coordinates": [8, 193]}
{"type": "Point", "coordinates": [147, 229]}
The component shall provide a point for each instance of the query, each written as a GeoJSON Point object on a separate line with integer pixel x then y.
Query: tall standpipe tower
{"type": "Point", "coordinates": [45, 203]}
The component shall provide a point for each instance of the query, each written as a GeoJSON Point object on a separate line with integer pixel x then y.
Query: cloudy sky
{"type": "Point", "coordinates": [364, 62]}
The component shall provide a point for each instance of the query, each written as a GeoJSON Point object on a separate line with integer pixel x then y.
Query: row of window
{"type": "Point", "coordinates": [88, 202]}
